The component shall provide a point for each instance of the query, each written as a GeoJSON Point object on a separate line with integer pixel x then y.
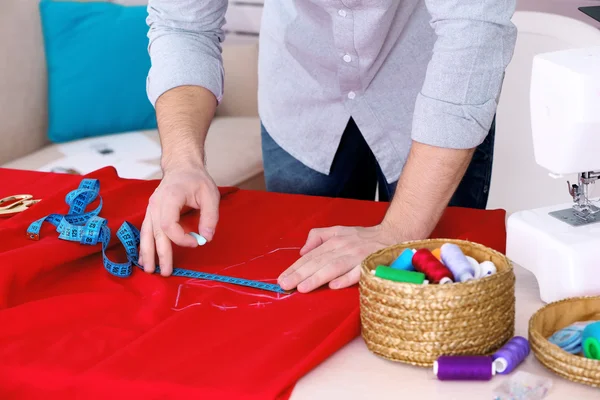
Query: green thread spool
{"type": "Point", "coordinates": [591, 348]}
{"type": "Point", "coordinates": [399, 275]}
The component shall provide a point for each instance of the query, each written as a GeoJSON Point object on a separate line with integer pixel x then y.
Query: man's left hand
{"type": "Point", "coordinates": [334, 255]}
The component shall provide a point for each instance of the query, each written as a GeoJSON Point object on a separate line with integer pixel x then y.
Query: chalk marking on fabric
{"type": "Point", "coordinates": [208, 284]}
{"type": "Point", "coordinates": [222, 307]}
{"type": "Point", "coordinates": [178, 295]}
{"type": "Point", "coordinates": [259, 304]}
{"type": "Point", "coordinates": [261, 256]}
{"type": "Point", "coordinates": [204, 283]}
{"type": "Point", "coordinates": [188, 306]}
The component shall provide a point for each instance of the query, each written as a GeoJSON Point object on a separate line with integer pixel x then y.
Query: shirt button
{"type": "Point", "coordinates": [351, 95]}
{"type": "Point", "coordinates": [342, 13]}
{"type": "Point", "coordinates": [347, 58]}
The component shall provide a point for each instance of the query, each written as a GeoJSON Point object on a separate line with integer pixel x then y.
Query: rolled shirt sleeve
{"type": "Point", "coordinates": [185, 39]}
{"type": "Point", "coordinates": [475, 43]}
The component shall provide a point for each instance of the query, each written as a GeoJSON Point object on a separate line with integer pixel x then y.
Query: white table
{"type": "Point", "coordinates": [355, 373]}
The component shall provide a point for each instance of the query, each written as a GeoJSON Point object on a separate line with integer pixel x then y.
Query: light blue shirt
{"type": "Point", "coordinates": [404, 70]}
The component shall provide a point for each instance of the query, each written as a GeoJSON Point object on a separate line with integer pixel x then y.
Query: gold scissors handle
{"type": "Point", "coordinates": [15, 204]}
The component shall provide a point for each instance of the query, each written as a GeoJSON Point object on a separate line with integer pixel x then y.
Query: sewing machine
{"type": "Point", "coordinates": [560, 244]}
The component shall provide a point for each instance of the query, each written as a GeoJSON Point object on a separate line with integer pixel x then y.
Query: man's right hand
{"type": "Point", "coordinates": [189, 186]}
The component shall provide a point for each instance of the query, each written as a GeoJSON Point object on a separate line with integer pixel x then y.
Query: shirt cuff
{"type": "Point", "coordinates": [179, 61]}
{"type": "Point", "coordinates": [456, 126]}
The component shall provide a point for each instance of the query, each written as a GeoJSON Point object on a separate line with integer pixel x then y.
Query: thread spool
{"type": "Point", "coordinates": [487, 268]}
{"type": "Point", "coordinates": [513, 353]}
{"type": "Point", "coordinates": [199, 238]}
{"type": "Point", "coordinates": [591, 341]}
{"type": "Point", "coordinates": [404, 260]}
{"type": "Point", "coordinates": [399, 275]}
{"type": "Point", "coordinates": [437, 253]}
{"type": "Point", "coordinates": [476, 267]}
{"type": "Point", "coordinates": [591, 348]}
{"type": "Point", "coordinates": [457, 262]}
{"type": "Point", "coordinates": [464, 368]}
{"type": "Point", "coordinates": [424, 261]}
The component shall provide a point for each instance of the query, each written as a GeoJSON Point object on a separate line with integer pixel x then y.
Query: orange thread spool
{"type": "Point", "coordinates": [424, 261]}
{"type": "Point", "coordinates": [437, 253]}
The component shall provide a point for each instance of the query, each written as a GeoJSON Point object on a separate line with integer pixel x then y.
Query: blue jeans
{"type": "Point", "coordinates": [355, 172]}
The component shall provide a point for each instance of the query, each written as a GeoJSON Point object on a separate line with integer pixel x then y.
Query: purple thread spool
{"type": "Point", "coordinates": [511, 355]}
{"type": "Point", "coordinates": [464, 368]}
{"type": "Point", "coordinates": [457, 262]}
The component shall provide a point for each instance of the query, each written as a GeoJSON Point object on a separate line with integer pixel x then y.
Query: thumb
{"type": "Point", "coordinates": [208, 199]}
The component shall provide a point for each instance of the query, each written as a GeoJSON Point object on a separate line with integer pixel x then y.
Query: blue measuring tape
{"type": "Point", "coordinates": [89, 229]}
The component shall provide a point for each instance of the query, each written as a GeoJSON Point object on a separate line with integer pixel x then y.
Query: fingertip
{"type": "Point", "coordinates": [199, 239]}
{"type": "Point", "coordinates": [346, 280]}
{"type": "Point", "coordinates": [148, 267]}
{"type": "Point", "coordinates": [285, 282]}
{"type": "Point", "coordinates": [335, 284]}
{"type": "Point", "coordinates": [207, 233]}
{"type": "Point", "coordinates": [189, 241]}
{"type": "Point", "coordinates": [301, 289]}
{"type": "Point", "coordinates": [304, 287]}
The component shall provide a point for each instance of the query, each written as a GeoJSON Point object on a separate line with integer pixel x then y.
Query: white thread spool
{"type": "Point", "coordinates": [476, 267]}
{"type": "Point", "coordinates": [487, 268]}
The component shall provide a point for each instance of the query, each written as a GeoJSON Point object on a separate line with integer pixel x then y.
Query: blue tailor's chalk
{"type": "Point", "coordinates": [199, 238]}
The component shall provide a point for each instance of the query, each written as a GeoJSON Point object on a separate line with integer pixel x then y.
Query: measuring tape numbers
{"type": "Point", "coordinates": [90, 229]}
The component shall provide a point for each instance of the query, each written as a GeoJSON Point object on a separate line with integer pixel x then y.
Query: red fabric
{"type": "Point", "coordinates": [68, 329]}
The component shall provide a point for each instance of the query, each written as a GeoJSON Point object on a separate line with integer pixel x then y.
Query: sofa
{"type": "Point", "coordinates": [233, 147]}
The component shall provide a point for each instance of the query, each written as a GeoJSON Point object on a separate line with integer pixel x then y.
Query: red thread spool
{"type": "Point", "coordinates": [424, 261]}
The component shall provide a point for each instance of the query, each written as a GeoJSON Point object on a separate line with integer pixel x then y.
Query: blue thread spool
{"type": "Point", "coordinates": [404, 261]}
{"type": "Point", "coordinates": [457, 262]}
{"type": "Point", "coordinates": [591, 341]}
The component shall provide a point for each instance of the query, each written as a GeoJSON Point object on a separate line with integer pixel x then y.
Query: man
{"type": "Point", "coordinates": [351, 93]}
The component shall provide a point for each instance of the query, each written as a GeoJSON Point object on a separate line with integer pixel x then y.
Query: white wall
{"type": "Point", "coordinates": [243, 17]}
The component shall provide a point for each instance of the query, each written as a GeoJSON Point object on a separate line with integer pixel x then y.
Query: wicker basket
{"type": "Point", "coordinates": [415, 324]}
{"type": "Point", "coordinates": [554, 317]}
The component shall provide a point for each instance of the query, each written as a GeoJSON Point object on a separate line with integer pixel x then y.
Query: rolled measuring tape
{"type": "Point", "coordinates": [88, 228]}
{"type": "Point", "coordinates": [568, 339]}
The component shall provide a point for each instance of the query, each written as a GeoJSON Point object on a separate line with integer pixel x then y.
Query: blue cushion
{"type": "Point", "coordinates": [97, 63]}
